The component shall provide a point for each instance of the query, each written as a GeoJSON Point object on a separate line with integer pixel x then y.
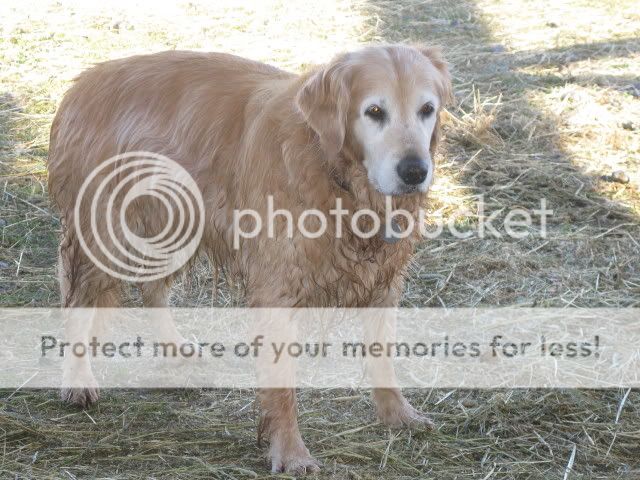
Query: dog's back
{"type": "Point", "coordinates": [185, 105]}
{"type": "Point", "coordinates": [192, 108]}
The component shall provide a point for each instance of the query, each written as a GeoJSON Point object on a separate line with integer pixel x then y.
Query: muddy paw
{"type": "Point", "coordinates": [82, 397]}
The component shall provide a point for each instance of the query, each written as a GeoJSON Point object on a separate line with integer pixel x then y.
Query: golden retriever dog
{"type": "Point", "coordinates": [361, 128]}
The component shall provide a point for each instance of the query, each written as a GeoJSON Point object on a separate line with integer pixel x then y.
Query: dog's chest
{"type": "Point", "coordinates": [358, 276]}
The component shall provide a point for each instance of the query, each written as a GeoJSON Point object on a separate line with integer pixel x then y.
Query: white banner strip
{"type": "Point", "coordinates": [320, 348]}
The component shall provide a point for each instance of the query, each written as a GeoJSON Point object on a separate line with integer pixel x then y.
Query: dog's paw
{"type": "Point", "coordinates": [406, 416]}
{"type": "Point", "coordinates": [295, 461]}
{"type": "Point", "coordinates": [295, 465]}
{"type": "Point", "coordinates": [81, 396]}
{"type": "Point", "coordinates": [395, 411]}
{"type": "Point", "coordinates": [79, 386]}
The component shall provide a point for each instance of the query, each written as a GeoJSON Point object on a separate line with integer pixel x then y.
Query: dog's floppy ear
{"type": "Point", "coordinates": [434, 54]}
{"type": "Point", "coordinates": [323, 101]}
{"type": "Point", "coordinates": [445, 90]}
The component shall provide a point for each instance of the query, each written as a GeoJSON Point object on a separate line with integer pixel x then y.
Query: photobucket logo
{"type": "Point", "coordinates": [516, 223]}
{"type": "Point", "coordinates": [144, 214]}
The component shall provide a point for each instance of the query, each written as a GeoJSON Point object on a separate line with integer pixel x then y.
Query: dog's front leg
{"type": "Point", "coordinates": [277, 395]}
{"type": "Point", "coordinates": [279, 423]}
{"type": "Point", "coordinates": [392, 407]}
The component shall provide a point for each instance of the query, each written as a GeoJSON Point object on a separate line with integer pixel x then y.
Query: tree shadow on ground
{"type": "Point", "coordinates": [506, 148]}
{"type": "Point", "coordinates": [581, 51]}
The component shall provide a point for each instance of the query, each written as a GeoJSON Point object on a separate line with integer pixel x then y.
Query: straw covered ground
{"type": "Point", "coordinates": [547, 106]}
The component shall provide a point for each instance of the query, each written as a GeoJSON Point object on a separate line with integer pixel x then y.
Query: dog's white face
{"type": "Point", "coordinates": [397, 93]}
{"type": "Point", "coordinates": [395, 137]}
{"type": "Point", "coordinates": [386, 101]}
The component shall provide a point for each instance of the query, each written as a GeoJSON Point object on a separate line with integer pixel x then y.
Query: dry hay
{"type": "Point", "coordinates": [547, 105]}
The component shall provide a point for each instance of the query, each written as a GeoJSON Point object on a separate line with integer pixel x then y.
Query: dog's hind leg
{"type": "Point", "coordinates": [85, 292]}
{"type": "Point", "coordinates": [156, 295]}
{"type": "Point", "coordinates": [79, 386]}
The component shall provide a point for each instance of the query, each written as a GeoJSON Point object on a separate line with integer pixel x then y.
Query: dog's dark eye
{"type": "Point", "coordinates": [426, 110]}
{"type": "Point", "coordinates": [375, 112]}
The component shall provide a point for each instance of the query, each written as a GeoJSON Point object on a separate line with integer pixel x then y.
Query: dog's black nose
{"type": "Point", "coordinates": [412, 170]}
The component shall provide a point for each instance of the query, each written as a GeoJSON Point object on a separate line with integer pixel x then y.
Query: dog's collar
{"type": "Point", "coordinates": [392, 238]}
{"type": "Point", "coordinates": [340, 182]}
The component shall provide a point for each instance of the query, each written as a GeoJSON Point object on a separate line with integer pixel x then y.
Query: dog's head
{"type": "Point", "coordinates": [383, 103]}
